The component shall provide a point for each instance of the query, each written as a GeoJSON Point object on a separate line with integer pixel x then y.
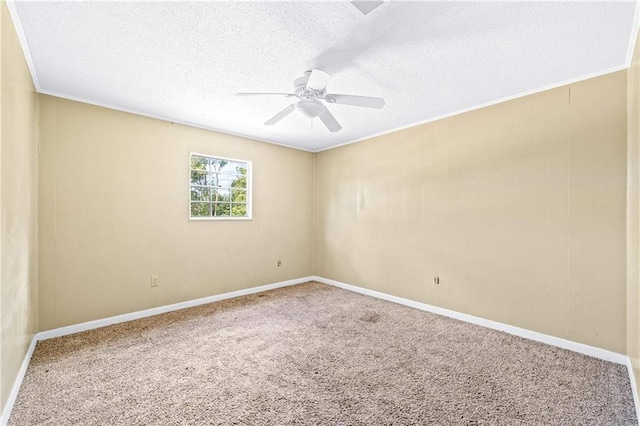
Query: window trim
{"type": "Point", "coordinates": [249, 188]}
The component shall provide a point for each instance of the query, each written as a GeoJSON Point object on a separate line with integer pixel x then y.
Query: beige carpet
{"type": "Point", "coordinates": [314, 355]}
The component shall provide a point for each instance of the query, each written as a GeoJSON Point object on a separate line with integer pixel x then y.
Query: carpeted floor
{"type": "Point", "coordinates": [314, 355]}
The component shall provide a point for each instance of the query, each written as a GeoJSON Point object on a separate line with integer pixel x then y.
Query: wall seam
{"type": "Point", "coordinates": [569, 145]}
{"type": "Point", "coordinates": [2, 400]}
{"type": "Point", "coordinates": [627, 222]}
{"type": "Point", "coordinates": [313, 216]}
{"type": "Point", "coordinates": [36, 306]}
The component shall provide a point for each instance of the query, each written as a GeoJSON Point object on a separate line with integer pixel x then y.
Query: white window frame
{"type": "Point", "coordinates": [249, 215]}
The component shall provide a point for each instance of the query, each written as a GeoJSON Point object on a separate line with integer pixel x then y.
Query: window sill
{"type": "Point", "coordinates": [217, 219]}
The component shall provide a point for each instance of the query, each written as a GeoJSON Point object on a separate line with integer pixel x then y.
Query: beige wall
{"type": "Point", "coordinates": [633, 226]}
{"type": "Point", "coordinates": [114, 212]}
{"type": "Point", "coordinates": [18, 193]}
{"type": "Point", "coordinates": [519, 208]}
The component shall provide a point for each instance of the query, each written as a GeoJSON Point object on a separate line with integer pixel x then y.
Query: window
{"type": "Point", "coordinates": [220, 188]}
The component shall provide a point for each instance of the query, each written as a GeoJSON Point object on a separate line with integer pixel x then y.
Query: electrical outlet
{"type": "Point", "coordinates": [154, 281]}
{"type": "Point", "coordinates": [279, 262]}
{"type": "Point", "coordinates": [436, 280]}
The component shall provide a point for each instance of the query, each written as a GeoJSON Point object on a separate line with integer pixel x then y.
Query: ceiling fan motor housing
{"type": "Point", "coordinates": [301, 82]}
{"type": "Point", "coordinates": [302, 91]}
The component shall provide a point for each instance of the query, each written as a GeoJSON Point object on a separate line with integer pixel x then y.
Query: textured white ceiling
{"type": "Point", "coordinates": [183, 61]}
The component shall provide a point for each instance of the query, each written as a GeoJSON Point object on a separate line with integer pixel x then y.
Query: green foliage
{"type": "Point", "coordinates": [199, 163]}
{"type": "Point", "coordinates": [221, 209]}
{"type": "Point", "coordinates": [200, 209]}
{"type": "Point", "coordinates": [217, 165]}
{"type": "Point", "coordinates": [239, 195]}
{"type": "Point", "coordinates": [200, 194]}
{"type": "Point", "coordinates": [241, 180]}
{"type": "Point", "coordinates": [239, 210]}
{"type": "Point", "coordinates": [199, 178]}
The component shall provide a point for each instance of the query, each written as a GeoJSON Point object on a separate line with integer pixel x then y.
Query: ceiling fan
{"type": "Point", "coordinates": [310, 89]}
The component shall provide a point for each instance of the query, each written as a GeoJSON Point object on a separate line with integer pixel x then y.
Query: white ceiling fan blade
{"type": "Point", "coordinates": [279, 116]}
{"type": "Point", "coordinates": [366, 6]}
{"type": "Point", "coordinates": [287, 95]}
{"type": "Point", "coordinates": [318, 80]}
{"type": "Point", "coordinates": [361, 101]}
{"type": "Point", "coordinates": [330, 121]}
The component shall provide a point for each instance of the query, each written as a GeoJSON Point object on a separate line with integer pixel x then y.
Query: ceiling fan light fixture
{"type": "Point", "coordinates": [309, 107]}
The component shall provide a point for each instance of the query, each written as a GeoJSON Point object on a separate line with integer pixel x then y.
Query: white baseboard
{"type": "Point", "coordinates": [517, 331]}
{"type": "Point", "coordinates": [634, 389]}
{"type": "Point", "coordinates": [8, 406]}
{"type": "Point", "coordinates": [90, 325]}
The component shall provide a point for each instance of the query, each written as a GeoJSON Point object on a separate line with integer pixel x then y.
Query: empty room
{"type": "Point", "coordinates": [319, 213]}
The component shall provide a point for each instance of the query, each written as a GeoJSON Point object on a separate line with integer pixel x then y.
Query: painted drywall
{"type": "Point", "coordinates": [18, 194]}
{"type": "Point", "coordinates": [633, 215]}
{"type": "Point", "coordinates": [519, 208]}
{"type": "Point", "coordinates": [114, 199]}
